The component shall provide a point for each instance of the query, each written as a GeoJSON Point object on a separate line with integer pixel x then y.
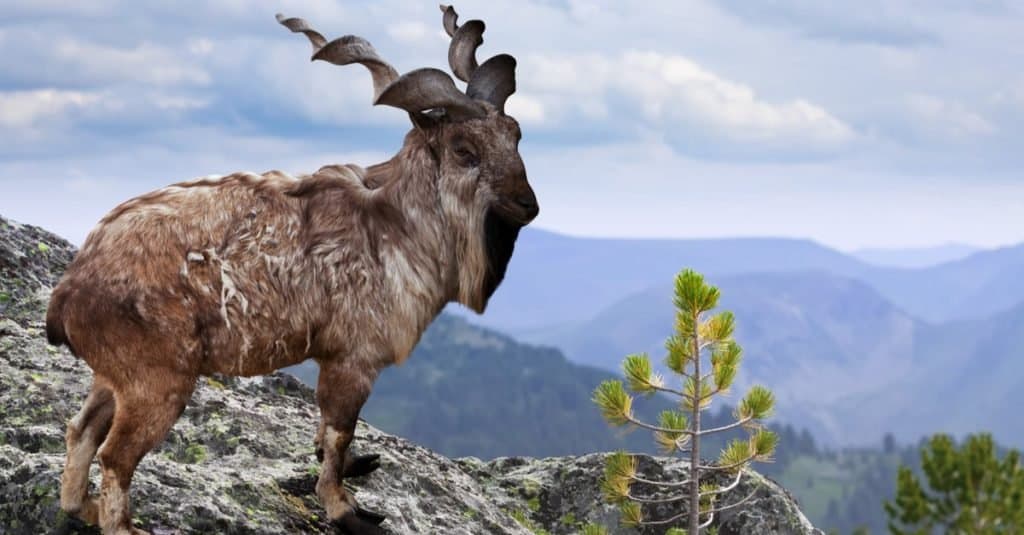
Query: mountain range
{"type": "Point", "coordinates": [853, 350]}
{"type": "Point", "coordinates": [556, 279]}
{"type": "Point", "coordinates": [916, 257]}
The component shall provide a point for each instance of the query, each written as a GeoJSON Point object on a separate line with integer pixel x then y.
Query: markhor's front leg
{"type": "Point", "coordinates": [341, 391]}
{"type": "Point", "coordinates": [355, 465]}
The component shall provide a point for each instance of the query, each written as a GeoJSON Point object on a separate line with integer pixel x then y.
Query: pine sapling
{"type": "Point", "coordinates": [700, 338]}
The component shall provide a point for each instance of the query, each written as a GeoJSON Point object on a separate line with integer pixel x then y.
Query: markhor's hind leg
{"type": "Point", "coordinates": [86, 431]}
{"type": "Point", "coordinates": [146, 411]}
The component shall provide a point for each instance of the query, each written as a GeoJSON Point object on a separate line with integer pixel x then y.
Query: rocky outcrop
{"type": "Point", "coordinates": [241, 458]}
{"type": "Point", "coordinates": [31, 262]}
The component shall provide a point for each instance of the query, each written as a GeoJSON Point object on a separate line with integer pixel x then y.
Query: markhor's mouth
{"type": "Point", "coordinates": [517, 213]}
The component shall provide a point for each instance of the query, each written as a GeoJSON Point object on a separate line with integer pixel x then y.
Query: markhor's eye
{"type": "Point", "coordinates": [466, 157]}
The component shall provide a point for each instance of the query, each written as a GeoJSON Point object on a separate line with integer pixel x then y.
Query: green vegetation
{"type": "Point", "coordinates": [195, 453]}
{"type": "Point", "coordinates": [679, 430]}
{"type": "Point", "coordinates": [524, 520]}
{"type": "Point", "coordinates": [969, 490]}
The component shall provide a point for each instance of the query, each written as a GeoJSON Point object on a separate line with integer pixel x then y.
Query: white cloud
{"type": "Point", "coordinates": [1011, 95]}
{"type": "Point", "coordinates": [27, 109]}
{"type": "Point", "coordinates": [525, 108]}
{"type": "Point", "coordinates": [673, 87]}
{"type": "Point", "coordinates": [200, 46]}
{"type": "Point", "coordinates": [147, 62]}
{"type": "Point", "coordinates": [671, 92]}
{"type": "Point", "coordinates": [321, 92]}
{"type": "Point", "coordinates": [178, 103]}
{"type": "Point", "coordinates": [949, 119]}
{"type": "Point", "coordinates": [409, 32]}
{"type": "Point", "coordinates": [874, 22]}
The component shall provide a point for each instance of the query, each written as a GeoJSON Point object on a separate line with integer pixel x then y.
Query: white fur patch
{"type": "Point", "coordinates": [75, 480]}
{"type": "Point", "coordinates": [114, 512]}
{"type": "Point", "coordinates": [335, 499]}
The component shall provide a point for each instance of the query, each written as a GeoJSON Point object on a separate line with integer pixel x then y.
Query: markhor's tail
{"type": "Point", "coordinates": [55, 319]}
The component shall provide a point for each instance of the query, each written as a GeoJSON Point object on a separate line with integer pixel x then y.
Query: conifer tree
{"type": "Point", "coordinates": [700, 338]}
{"type": "Point", "coordinates": [969, 490]}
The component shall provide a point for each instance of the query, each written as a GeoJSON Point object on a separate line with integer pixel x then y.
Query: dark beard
{"type": "Point", "coordinates": [500, 238]}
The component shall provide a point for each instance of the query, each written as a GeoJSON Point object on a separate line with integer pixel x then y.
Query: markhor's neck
{"type": "Point", "coordinates": [408, 182]}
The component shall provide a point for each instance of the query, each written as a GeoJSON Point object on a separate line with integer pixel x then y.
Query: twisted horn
{"type": "Point", "coordinates": [465, 40]}
{"type": "Point", "coordinates": [301, 26]}
{"type": "Point", "coordinates": [425, 89]}
{"type": "Point", "coordinates": [494, 81]}
{"type": "Point", "coordinates": [462, 50]}
{"type": "Point", "coordinates": [449, 19]}
{"type": "Point", "coordinates": [344, 51]}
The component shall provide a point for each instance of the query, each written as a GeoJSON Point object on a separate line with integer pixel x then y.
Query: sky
{"type": "Point", "coordinates": [868, 123]}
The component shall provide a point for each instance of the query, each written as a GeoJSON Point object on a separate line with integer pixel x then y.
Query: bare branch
{"type": "Point", "coordinates": [737, 504]}
{"type": "Point", "coordinates": [723, 490]}
{"type": "Point", "coordinates": [733, 425]}
{"type": "Point", "coordinates": [680, 516]}
{"type": "Point", "coordinates": [661, 483]}
{"type": "Point", "coordinates": [651, 499]}
{"type": "Point", "coordinates": [650, 427]}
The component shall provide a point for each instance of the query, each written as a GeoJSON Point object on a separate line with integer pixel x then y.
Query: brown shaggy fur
{"type": "Point", "coordinates": [250, 273]}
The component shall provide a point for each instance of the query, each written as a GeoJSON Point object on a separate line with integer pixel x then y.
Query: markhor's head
{"type": "Point", "coordinates": [474, 144]}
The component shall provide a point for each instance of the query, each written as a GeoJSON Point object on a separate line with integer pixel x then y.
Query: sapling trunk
{"type": "Point", "coordinates": [695, 438]}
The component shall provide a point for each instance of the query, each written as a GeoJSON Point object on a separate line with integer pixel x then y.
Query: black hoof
{"type": "Point", "coordinates": [360, 522]}
{"type": "Point", "coordinates": [362, 465]}
{"type": "Point", "coordinates": [370, 516]}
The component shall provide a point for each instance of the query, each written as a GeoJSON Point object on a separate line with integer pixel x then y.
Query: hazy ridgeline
{"type": "Point", "coordinates": [850, 349]}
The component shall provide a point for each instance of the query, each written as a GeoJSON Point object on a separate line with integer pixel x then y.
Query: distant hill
{"type": "Point", "coordinates": [919, 257]}
{"type": "Point", "coordinates": [968, 379]}
{"type": "Point", "coordinates": [983, 284]}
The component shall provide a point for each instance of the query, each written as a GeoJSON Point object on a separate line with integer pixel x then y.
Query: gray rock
{"type": "Point", "coordinates": [31, 259]}
{"type": "Point", "coordinates": [241, 458]}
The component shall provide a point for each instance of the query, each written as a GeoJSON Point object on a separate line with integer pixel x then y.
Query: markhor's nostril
{"type": "Point", "coordinates": [527, 201]}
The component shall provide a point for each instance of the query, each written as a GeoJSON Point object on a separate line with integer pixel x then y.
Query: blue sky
{"type": "Point", "coordinates": [869, 123]}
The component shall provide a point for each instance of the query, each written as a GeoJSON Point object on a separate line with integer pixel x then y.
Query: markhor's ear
{"type": "Point", "coordinates": [426, 120]}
